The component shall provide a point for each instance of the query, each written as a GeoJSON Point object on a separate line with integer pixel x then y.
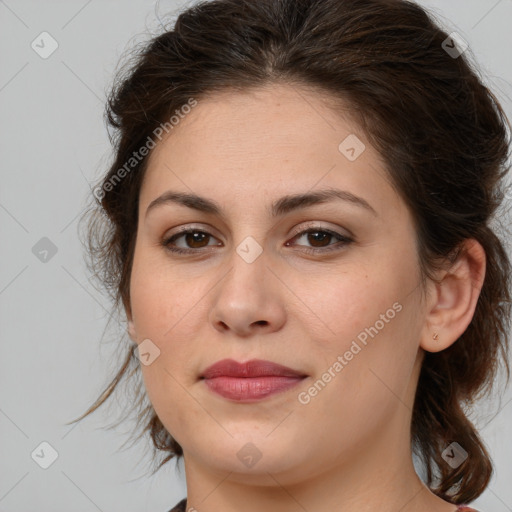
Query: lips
{"type": "Point", "coordinates": [249, 381]}
{"type": "Point", "coordinates": [249, 369]}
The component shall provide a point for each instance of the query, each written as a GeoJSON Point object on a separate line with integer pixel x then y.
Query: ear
{"type": "Point", "coordinates": [131, 331]}
{"type": "Point", "coordinates": [452, 298]}
{"type": "Point", "coordinates": [131, 327]}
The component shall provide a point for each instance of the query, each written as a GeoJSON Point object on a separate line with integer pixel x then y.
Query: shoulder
{"type": "Point", "coordinates": [182, 506]}
{"type": "Point", "coordinates": [466, 508]}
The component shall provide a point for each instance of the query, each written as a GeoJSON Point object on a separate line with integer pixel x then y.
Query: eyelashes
{"type": "Point", "coordinates": [318, 234]}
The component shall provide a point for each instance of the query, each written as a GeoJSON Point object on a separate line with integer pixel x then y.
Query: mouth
{"type": "Point", "coordinates": [249, 369]}
{"type": "Point", "coordinates": [250, 381]}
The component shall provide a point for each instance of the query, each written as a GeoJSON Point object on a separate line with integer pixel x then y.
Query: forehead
{"type": "Point", "coordinates": [277, 117]}
{"type": "Point", "coordinates": [269, 141]}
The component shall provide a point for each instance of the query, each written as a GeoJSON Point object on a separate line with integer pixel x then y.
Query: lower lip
{"type": "Point", "coordinates": [250, 388]}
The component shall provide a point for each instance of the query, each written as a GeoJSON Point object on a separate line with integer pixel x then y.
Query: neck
{"type": "Point", "coordinates": [378, 475]}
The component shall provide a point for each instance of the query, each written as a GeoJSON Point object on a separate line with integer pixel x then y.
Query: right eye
{"type": "Point", "coordinates": [192, 236]}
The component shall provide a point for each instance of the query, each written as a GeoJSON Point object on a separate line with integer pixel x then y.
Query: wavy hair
{"type": "Point", "coordinates": [441, 132]}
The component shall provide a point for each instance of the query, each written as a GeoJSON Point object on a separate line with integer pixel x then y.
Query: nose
{"type": "Point", "coordinates": [249, 299]}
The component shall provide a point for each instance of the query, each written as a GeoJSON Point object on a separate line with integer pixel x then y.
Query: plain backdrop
{"type": "Point", "coordinates": [54, 361]}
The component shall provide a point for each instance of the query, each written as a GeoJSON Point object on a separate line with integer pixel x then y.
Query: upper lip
{"type": "Point", "coordinates": [252, 368]}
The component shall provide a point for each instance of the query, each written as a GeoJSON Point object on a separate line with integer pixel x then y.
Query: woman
{"type": "Point", "coordinates": [297, 226]}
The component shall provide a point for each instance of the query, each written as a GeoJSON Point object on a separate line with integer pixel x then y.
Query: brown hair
{"type": "Point", "coordinates": [441, 132]}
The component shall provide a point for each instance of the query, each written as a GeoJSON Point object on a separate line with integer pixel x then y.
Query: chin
{"type": "Point", "coordinates": [251, 457]}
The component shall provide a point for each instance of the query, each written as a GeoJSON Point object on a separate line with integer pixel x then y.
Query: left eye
{"type": "Point", "coordinates": [322, 237]}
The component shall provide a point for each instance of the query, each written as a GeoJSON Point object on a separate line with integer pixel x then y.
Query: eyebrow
{"type": "Point", "coordinates": [280, 207]}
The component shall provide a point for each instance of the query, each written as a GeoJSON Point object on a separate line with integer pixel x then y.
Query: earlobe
{"type": "Point", "coordinates": [131, 331]}
{"type": "Point", "coordinates": [131, 324]}
{"type": "Point", "coordinates": [454, 297]}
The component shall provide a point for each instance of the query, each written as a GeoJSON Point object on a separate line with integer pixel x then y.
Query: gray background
{"type": "Point", "coordinates": [54, 145]}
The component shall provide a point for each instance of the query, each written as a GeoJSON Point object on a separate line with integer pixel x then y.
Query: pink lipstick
{"type": "Point", "coordinates": [249, 381]}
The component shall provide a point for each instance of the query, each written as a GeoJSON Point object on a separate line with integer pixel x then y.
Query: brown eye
{"type": "Point", "coordinates": [194, 240]}
{"type": "Point", "coordinates": [321, 238]}
{"type": "Point", "coordinates": [196, 237]}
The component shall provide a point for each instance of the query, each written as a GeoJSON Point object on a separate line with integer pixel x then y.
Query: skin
{"type": "Point", "coordinates": [348, 448]}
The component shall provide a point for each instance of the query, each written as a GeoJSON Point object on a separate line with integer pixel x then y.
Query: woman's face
{"type": "Point", "coordinates": [349, 316]}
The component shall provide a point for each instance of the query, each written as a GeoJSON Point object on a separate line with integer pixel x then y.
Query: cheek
{"type": "Point", "coordinates": [160, 297]}
{"type": "Point", "coordinates": [361, 385]}
{"type": "Point", "coordinates": [361, 302]}
{"type": "Point", "coordinates": [371, 344]}
{"type": "Point", "coordinates": [166, 306]}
